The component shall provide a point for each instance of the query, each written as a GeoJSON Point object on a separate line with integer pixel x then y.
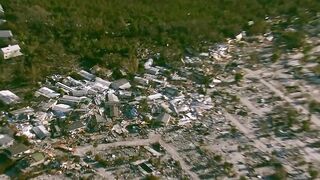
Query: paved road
{"type": "Point", "coordinates": [175, 155]}
{"type": "Point", "coordinates": [315, 93]}
{"type": "Point", "coordinates": [314, 119]}
{"type": "Point", "coordinates": [245, 101]}
{"type": "Point", "coordinates": [81, 150]}
{"type": "Point", "coordinates": [257, 143]}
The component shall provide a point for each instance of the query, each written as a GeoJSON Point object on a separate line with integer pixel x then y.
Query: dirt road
{"type": "Point", "coordinates": [81, 150]}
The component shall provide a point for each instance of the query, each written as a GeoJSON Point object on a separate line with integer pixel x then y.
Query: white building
{"type": "Point", "coordinates": [11, 51]}
{"type": "Point", "coordinates": [8, 97]}
{"type": "Point", "coordinates": [46, 92]}
{"type": "Point", "coordinates": [121, 84]}
{"type": "Point", "coordinates": [88, 76]}
{"type": "Point", "coordinates": [154, 96]}
{"type": "Point", "coordinates": [113, 98]}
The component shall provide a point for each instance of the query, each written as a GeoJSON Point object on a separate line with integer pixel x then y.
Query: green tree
{"type": "Point", "coordinates": [243, 178]}
{"type": "Point", "coordinates": [95, 145]}
{"type": "Point", "coordinates": [305, 125]}
{"type": "Point", "coordinates": [151, 177]}
{"type": "Point", "coordinates": [238, 77]}
{"type": "Point", "coordinates": [313, 172]}
{"type": "Point", "coordinates": [314, 106]}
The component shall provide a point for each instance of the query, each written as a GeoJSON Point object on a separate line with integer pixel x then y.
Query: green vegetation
{"type": "Point", "coordinates": [276, 55]}
{"type": "Point", "coordinates": [284, 116]}
{"type": "Point", "coordinates": [243, 178]}
{"type": "Point", "coordinates": [22, 139]}
{"type": "Point", "coordinates": [315, 144]}
{"type": "Point", "coordinates": [57, 36]}
{"type": "Point", "coordinates": [285, 121]}
{"type": "Point", "coordinates": [5, 162]}
{"type": "Point", "coordinates": [238, 77]}
{"type": "Point", "coordinates": [314, 107]}
{"type": "Point", "coordinates": [313, 172]}
{"type": "Point", "coordinates": [292, 39]}
{"type": "Point", "coordinates": [151, 177]}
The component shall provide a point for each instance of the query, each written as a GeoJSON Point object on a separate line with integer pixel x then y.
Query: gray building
{"type": "Point", "coordinates": [120, 84]}
{"type": "Point", "coordinates": [86, 75]}
{"type": "Point", "coordinates": [5, 34]}
{"type": "Point", "coordinates": [75, 126]}
{"type": "Point", "coordinates": [40, 131]}
{"type": "Point", "coordinates": [5, 141]}
{"type": "Point", "coordinates": [165, 118]}
{"type": "Point", "coordinates": [16, 149]}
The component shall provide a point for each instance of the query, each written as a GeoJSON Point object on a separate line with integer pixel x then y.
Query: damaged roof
{"type": "Point", "coordinates": [8, 97]}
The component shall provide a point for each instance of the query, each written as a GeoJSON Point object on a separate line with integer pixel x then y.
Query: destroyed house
{"type": "Point", "coordinates": [133, 128]}
{"type": "Point", "coordinates": [7, 97]}
{"type": "Point", "coordinates": [131, 112]}
{"type": "Point", "coordinates": [148, 64]}
{"type": "Point", "coordinates": [5, 141]}
{"type": "Point", "coordinates": [153, 71]}
{"type": "Point", "coordinates": [154, 96]}
{"type": "Point", "coordinates": [70, 100]}
{"type": "Point", "coordinates": [145, 168]}
{"type": "Point", "coordinates": [25, 164]}
{"type": "Point", "coordinates": [74, 82]}
{"type": "Point", "coordinates": [64, 87]}
{"type": "Point", "coordinates": [125, 94]}
{"type": "Point", "coordinates": [99, 87]}
{"type": "Point", "coordinates": [112, 105]}
{"type": "Point", "coordinates": [23, 113]}
{"type": "Point", "coordinates": [141, 81]}
{"type": "Point", "coordinates": [86, 75]}
{"type": "Point", "coordinates": [114, 111]}
{"type": "Point", "coordinates": [26, 110]}
{"type": "Point", "coordinates": [46, 92]}
{"type": "Point", "coordinates": [40, 131]}
{"type": "Point", "coordinates": [45, 106]}
{"type": "Point", "coordinates": [5, 34]}
{"type": "Point", "coordinates": [165, 118]}
{"type": "Point", "coordinates": [36, 158]}
{"type": "Point", "coordinates": [103, 82]}
{"type": "Point", "coordinates": [80, 92]}
{"type": "Point", "coordinates": [171, 91]}
{"type": "Point", "coordinates": [62, 108]}
{"type": "Point", "coordinates": [120, 84]}
{"type": "Point", "coordinates": [112, 98]}
{"type": "Point", "coordinates": [7, 130]}
{"type": "Point", "coordinates": [11, 51]}
{"type": "Point", "coordinates": [16, 149]}
{"type": "Point", "coordinates": [55, 130]}
{"type": "Point", "coordinates": [76, 125]}
{"type": "Point", "coordinates": [100, 119]}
